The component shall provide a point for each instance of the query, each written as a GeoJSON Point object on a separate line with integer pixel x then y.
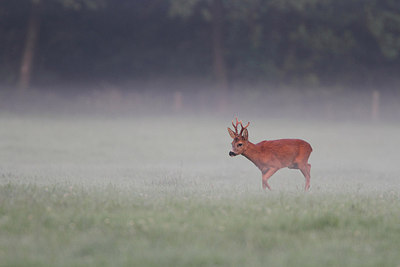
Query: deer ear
{"type": "Point", "coordinates": [245, 134]}
{"type": "Point", "coordinates": [231, 133]}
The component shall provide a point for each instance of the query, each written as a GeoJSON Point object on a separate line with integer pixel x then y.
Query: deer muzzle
{"type": "Point", "coordinates": [232, 154]}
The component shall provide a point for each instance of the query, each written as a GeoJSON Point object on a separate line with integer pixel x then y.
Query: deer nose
{"type": "Point", "coordinates": [232, 154]}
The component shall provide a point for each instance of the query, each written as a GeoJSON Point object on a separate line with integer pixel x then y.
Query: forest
{"type": "Point", "coordinates": [331, 50]}
{"type": "Point", "coordinates": [298, 42]}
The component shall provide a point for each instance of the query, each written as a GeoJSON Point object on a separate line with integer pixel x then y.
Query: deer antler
{"type": "Point", "coordinates": [235, 126]}
{"type": "Point", "coordinates": [243, 127]}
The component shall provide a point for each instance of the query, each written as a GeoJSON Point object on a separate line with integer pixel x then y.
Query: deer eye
{"type": "Point", "coordinates": [239, 145]}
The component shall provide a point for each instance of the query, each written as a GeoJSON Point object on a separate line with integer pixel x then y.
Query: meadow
{"type": "Point", "coordinates": [162, 191]}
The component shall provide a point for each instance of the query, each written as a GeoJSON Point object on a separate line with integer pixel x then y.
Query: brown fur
{"type": "Point", "coordinates": [270, 156]}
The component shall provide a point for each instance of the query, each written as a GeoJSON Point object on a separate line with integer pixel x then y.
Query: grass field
{"type": "Point", "coordinates": [162, 191]}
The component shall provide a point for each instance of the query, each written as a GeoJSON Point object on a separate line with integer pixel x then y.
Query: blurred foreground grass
{"type": "Point", "coordinates": [72, 226]}
{"type": "Point", "coordinates": [163, 192]}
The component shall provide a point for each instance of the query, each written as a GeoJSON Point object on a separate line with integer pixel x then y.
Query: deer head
{"type": "Point", "coordinates": [240, 140]}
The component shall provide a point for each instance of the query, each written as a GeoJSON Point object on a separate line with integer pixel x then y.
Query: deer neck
{"type": "Point", "coordinates": [252, 153]}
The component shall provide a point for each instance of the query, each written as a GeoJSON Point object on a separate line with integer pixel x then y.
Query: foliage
{"type": "Point", "coordinates": [80, 4]}
{"type": "Point", "coordinates": [384, 25]}
{"type": "Point", "coordinates": [183, 8]}
{"type": "Point", "coordinates": [311, 42]}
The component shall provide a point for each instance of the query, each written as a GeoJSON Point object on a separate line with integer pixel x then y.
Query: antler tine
{"type": "Point", "coordinates": [235, 126]}
{"type": "Point", "coordinates": [243, 127]}
{"type": "Point", "coordinates": [247, 125]}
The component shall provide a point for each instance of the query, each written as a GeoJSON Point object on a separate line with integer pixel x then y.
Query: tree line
{"type": "Point", "coordinates": [297, 42]}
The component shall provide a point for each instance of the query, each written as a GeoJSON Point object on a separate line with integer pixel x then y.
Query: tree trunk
{"type": "Point", "coordinates": [32, 34]}
{"type": "Point", "coordinates": [217, 11]}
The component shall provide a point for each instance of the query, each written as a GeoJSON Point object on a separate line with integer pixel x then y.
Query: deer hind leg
{"type": "Point", "coordinates": [305, 170]}
{"type": "Point", "coordinates": [266, 175]}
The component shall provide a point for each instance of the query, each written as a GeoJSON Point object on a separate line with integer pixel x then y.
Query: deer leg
{"type": "Point", "coordinates": [305, 170]}
{"type": "Point", "coordinates": [266, 175]}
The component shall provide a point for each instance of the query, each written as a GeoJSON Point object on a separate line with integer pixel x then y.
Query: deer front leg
{"type": "Point", "coordinates": [266, 175]}
{"type": "Point", "coordinates": [305, 170]}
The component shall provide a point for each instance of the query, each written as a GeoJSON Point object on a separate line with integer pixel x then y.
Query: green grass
{"type": "Point", "coordinates": [66, 225]}
{"type": "Point", "coordinates": [163, 192]}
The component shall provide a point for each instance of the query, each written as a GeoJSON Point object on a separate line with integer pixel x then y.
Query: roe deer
{"type": "Point", "coordinates": [270, 156]}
